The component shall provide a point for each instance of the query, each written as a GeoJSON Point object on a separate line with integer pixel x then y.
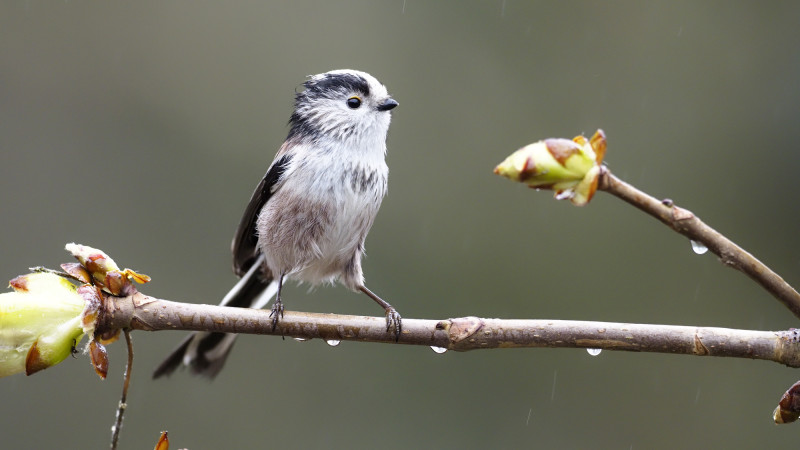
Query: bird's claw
{"type": "Point", "coordinates": [276, 314]}
{"type": "Point", "coordinates": [393, 319]}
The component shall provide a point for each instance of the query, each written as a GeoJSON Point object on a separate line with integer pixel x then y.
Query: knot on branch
{"type": "Point", "coordinates": [463, 328]}
{"type": "Point", "coordinates": [788, 349]}
{"type": "Point", "coordinates": [699, 348]}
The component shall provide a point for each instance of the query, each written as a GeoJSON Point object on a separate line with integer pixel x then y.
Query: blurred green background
{"type": "Point", "coordinates": [142, 127]}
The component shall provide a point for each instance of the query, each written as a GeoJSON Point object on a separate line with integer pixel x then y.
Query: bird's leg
{"type": "Point", "coordinates": [393, 318]}
{"type": "Point", "coordinates": [277, 307]}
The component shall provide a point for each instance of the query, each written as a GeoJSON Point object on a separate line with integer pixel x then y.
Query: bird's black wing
{"type": "Point", "coordinates": [246, 239]}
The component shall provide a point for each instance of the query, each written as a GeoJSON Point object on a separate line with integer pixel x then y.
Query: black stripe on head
{"type": "Point", "coordinates": [337, 83]}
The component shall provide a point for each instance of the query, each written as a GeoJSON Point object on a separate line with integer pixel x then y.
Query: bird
{"type": "Point", "coordinates": [309, 216]}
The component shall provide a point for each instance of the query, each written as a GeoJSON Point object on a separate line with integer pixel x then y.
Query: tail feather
{"type": "Point", "coordinates": [204, 353]}
{"type": "Point", "coordinates": [174, 360]}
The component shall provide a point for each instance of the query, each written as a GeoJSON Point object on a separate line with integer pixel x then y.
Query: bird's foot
{"type": "Point", "coordinates": [277, 313]}
{"type": "Point", "coordinates": [393, 319]}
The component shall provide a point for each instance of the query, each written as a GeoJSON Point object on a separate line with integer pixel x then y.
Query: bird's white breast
{"type": "Point", "coordinates": [321, 212]}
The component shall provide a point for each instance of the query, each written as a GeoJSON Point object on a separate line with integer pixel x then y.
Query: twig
{"type": "Point", "coordinates": [140, 312]}
{"type": "Point", "coordinates": [124, 399]}
{"type": "Point", "coordinates": [689, 225]}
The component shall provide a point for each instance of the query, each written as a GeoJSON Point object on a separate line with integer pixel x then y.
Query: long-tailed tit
{"type": "Point", "coordinates": [309, 216]}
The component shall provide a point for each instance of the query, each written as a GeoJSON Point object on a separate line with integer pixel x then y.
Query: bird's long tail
{"type": "Point", "coordinates": [204, 353]}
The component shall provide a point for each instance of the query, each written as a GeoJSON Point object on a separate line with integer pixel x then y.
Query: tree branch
{"type": "Point", "coordinates": [686, 223]}
{"type": "Point", "coordinates": [141, 312]}
{"type": "Point", "coordinates": [123, 401]}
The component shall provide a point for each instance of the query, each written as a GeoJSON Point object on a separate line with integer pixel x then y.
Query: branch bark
{"type": "Point", "coordinates": [141, 312]}
{"type": "Point", "coordinates": [686, 223]}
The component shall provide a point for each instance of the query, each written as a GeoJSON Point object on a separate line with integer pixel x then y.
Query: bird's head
{"type": "Point", "coordinates": [342, 105]}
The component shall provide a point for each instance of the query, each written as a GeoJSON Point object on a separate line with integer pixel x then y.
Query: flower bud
{"type": "Point", "coordinates": [103, 270]}
{"type": "Point", "coordinates": [788, 409]}
{"type": "Point", "coordinates": [41, 322]}
{"type": "Point", "coordinates": [569, 167]}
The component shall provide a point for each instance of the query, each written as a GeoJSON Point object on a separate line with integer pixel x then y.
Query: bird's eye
{"type": "Point", "coordinates": [353, 102]}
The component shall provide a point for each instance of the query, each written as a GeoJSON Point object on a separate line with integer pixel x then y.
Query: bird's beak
{"type": "Point", "coordinates": [387, 105]}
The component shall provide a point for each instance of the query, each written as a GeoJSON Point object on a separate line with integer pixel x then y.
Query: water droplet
{"type": "Point", "coordinates": [332, 342]}
{"type": "Point", "coordinates": [698, 247]}
{"type": "Point", "coordinates": [438, 349]}
{"type": "Point", "coordinates": [301, 339]}
{"type": "Point", "coordinates": [594, 351]}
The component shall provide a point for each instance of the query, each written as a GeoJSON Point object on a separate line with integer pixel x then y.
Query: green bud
{"type": "Point", "coordinates": [569, 167]}
{"type": "Point", "coordinates": [40, 323]}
